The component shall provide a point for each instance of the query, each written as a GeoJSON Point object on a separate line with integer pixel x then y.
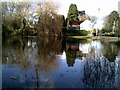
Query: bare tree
{"type": "Point", "coordinates": [15, 15]}
{"type": "Point", "coordinates": [49, 20]}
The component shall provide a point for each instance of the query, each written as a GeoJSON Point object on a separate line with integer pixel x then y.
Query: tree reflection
{"type": "Point", "coordinates": [46, 53]}
{"type": "Point", "coordinates": [45, 57]}
{"type": "Point", "coordinates": [43, 51]}
{"type": "Point", "coordinates": [15, 52]}
{"type": "Point", "coordinates": [73, 50]}
{"type": "Point", "coordinates": [38, 54]}
{"type": "Point", "coordinates": [101, 69]}
{"type": "Point", "coordinates": [99, 72]}
{"type": "Point", "coordinates": [110, 51]}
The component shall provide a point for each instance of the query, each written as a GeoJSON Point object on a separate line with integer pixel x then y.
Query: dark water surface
{"type": "Point", "coordinates": [38, 62]}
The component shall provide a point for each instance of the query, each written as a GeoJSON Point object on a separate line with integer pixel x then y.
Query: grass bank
{"type": "Point", "coordinates": [105, 38]}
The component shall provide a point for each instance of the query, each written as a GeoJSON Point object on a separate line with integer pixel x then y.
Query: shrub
{"type": "Point", "coordinates": [75, 32]}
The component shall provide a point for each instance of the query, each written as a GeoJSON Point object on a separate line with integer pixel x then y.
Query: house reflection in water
{"type": "Point", "coordinates": [85, 49]}
{"type": "Point", "coordinates": [74, 51]}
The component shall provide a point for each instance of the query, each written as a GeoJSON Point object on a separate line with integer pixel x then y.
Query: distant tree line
{"type": "Point", "coordinates": [18, 18]}
{"type": "Point", "coordinates": [14, 17]}
{"type": "Point", "coordinates": [112, 24]}
{"type": "Point", "coordinates": [40, 18]}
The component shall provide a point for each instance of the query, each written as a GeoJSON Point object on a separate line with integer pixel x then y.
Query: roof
{"type": "Point", "coordinates": [73, 22]}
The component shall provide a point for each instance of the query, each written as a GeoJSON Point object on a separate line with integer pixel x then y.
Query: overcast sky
{"type": "Point", "coordinates": [90, 6]}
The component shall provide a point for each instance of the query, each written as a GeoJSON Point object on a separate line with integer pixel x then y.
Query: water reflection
{"type": "Point", "coordinates": [40, 50]}
{"type": "Point", "coordinates": [75, 50]}
{"type": "Point", "coordinates": [110, 51]}
{"type": "Point", "coordinates": [52, 62]}
{"type": "Point", "coordinates": [99, 73]}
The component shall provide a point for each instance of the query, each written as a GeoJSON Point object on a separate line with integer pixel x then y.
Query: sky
{"type": "Point", "coordinates": [90, 6]}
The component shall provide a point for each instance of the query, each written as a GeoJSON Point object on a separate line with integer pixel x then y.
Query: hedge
{"type": "Point", "coordinates": [75, 32]}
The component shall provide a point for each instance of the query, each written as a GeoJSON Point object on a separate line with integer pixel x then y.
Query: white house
{"type": "Point", "coordinates": [86, 25]}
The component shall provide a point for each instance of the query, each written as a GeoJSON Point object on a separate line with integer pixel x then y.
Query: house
{"type": "Point", "coordinates": [86, 25]}
{"type": "Point", "coordinates": [74, 25]}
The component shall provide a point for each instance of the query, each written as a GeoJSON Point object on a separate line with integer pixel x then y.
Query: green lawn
{"type": "Point", "coordinates": [106, 38]}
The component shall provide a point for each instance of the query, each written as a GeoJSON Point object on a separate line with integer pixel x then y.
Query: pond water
{"type": "Point", "coordinates": [42, 62]}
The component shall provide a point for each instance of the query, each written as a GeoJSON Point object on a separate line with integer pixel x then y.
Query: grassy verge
{"type": "Point", "coordinates": [81, 37]}
{"type": "Point", "coordinates": [105, 38]}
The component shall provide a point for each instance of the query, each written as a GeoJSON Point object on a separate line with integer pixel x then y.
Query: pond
{"type": "Point", "coordinates": [51, 62]}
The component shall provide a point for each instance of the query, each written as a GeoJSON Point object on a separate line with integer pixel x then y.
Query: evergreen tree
{"type": "Point", "coordinates": [72, 14]}
{"type": "Point", "coordinates": [75, 15]}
